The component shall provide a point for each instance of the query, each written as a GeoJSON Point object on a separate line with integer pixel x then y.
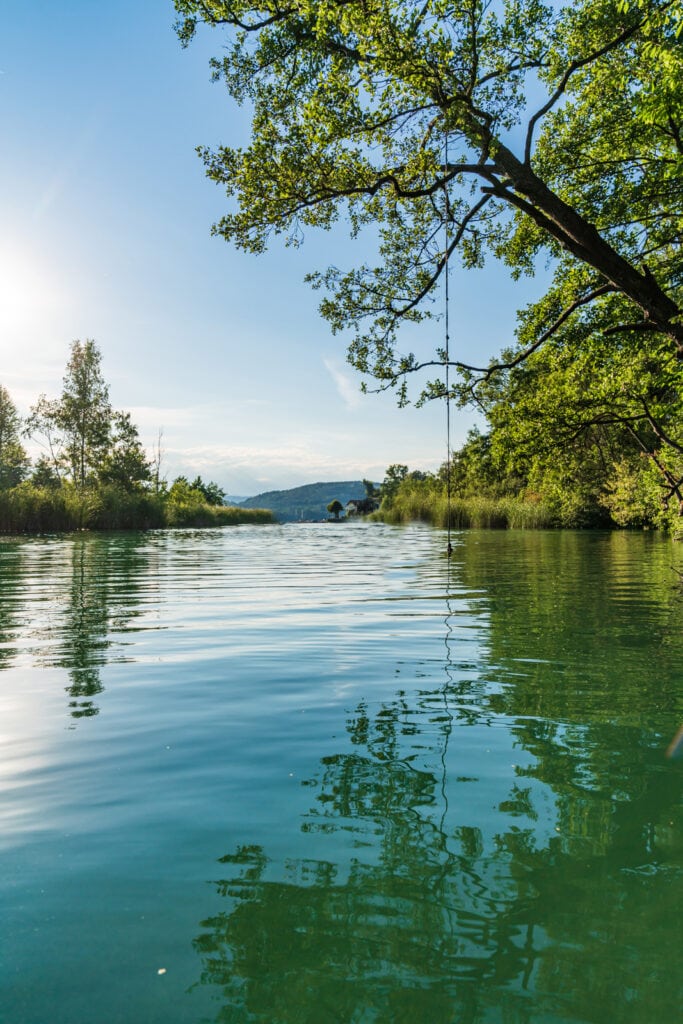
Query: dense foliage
{"type": "Point", "coordinates": [490, 483]}
{"type": "Point", "coordinates": [94, 472]}
{"type": "Point", "coordinates": [509, 129]}
{"type": "Point", "coordinates": [14, 461]}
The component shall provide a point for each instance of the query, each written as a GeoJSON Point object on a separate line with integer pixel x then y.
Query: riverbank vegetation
{"type": "Point", "coordinates": [94, 472]}
{"type": "Point", "coordinates": [599, 481]}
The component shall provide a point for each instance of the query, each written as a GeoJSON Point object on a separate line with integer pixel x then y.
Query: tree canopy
{"type": "Point", "coordinates": [513, 128]}
{"type": "Point", "coordinates": [81, 433]}
{"type": "Point", "coordinates": [509, 129]}
{"type": "Point", "coordinates": [335, 507]}
{"type": "Point", "coordinates": [13, 458]}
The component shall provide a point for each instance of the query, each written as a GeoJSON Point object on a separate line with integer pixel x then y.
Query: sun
{"type": "Point", "coordinates": [30, 292]}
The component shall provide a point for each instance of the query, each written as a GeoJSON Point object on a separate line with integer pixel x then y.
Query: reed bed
{"type": "Point", "coordinates": [471, 511]}
{"type": "Point", "coordinates": [30, 509]}
{"type": "Point", "coordinates": [216, 515]}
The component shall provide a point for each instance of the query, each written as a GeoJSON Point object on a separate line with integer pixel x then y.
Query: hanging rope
{"type": "Point", "coordinates": [449, 549]}
{"type": "Point", "coordinates": [448, 713]}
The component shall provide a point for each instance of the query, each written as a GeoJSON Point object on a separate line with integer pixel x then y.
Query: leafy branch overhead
{"type": "Point", "coordinates": [510, 128]}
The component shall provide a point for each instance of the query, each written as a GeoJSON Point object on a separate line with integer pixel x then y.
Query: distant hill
{"type": "Point", "coordinates": [307, 502]}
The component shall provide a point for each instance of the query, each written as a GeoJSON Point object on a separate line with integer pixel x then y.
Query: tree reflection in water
{"type": "Point", "coordinates": [81, 590]}
{"type": "Point", "coordinates": [86, 627]}
{"type": "Point", "coordinates": [11, 569]}
{"type": "Point", "coordinates": [425, 925]}
{"type": "Point", "coordinates": [563, 910]}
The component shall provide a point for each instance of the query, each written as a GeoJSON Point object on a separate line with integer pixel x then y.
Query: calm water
{"type": "Point", "coordinates": [310, 774]}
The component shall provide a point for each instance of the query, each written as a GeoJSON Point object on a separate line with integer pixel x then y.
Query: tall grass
{"type": "Point", "coordinates": [30, 509]}
{"type": "Point", "coordinates": [215, 515]}
{"type": "Point", "coordinates": [428, 502]}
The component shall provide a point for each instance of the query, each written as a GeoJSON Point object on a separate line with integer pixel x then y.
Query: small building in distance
{"type": "Point", "coordinates": [361, 507]}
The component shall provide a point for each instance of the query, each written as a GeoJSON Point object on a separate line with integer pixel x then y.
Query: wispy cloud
{"type": "Point", "coordinates": [164, 417]}
{"type": "Point", "coordinates": [346, 384]}
{"type": "Point", "coordinates": [253, 468]}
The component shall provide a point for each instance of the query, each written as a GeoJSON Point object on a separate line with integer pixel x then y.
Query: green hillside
{"type": "Point", "coordinates": [307, 502]}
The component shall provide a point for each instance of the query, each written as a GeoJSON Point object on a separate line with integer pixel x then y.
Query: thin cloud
{"type": "Point", "coordinates": [347, 386]}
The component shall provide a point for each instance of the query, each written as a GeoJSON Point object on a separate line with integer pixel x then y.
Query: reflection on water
{"type": "Point", "coordinates": [431, 917]}
{"type": "Point", "coordinates": [62, 600]}
{"type": "Point", "coordinates": [334, 778]}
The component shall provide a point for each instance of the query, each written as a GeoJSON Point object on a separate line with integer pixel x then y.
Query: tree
{"type": "Point", "coordinates": [181, 489]}
{"type": "Point", "coordinates": [42, 426]}
{"type": "Point", "coordinates": [520, 131]}
{"type": "Point", "coordinates": [125, 462]}
{"type": "Point", "coordinates": [13, 458]}
{"type": "Point", "coordinates": [473, 470]}
{"type": "Point", "coordinates": [371, 492]}
{"type": "Point", "coordinates": [211, 492]}
{"type": "Point", "coordinates": [335, 507]}
{"type": "Point", "coordinates": [84, 413]}
{"type": "Point", "coordinates": [393, 478]}
{"type": "Point", "coordinates": [195, 493]}
{"type": "Point", "coordinates": [157, 458]}
{"type": "Point", "coordinates": [44, 474]}
{"type": "Point", "coordinates": [582, 402]}
{"type": "Point", "coordinates": [76, 428]}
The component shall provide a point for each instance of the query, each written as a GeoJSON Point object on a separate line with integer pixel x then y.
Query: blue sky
{"type": "Point", "coordinates": [105, 234]}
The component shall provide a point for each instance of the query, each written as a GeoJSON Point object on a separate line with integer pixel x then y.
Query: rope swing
{"type": "Point", "coordinates": [449, 548]}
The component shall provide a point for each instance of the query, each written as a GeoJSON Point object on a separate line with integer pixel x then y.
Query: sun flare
{"type": "Point", "coordinates": [30, 291]}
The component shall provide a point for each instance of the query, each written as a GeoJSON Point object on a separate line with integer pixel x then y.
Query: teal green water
{"type": "Point", "coordinates": [313, 774]}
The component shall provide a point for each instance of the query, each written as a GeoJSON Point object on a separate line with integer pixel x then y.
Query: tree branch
{"type": "Point", "coordinates": [640, 325]}
{"type": "Point", "coordinates": [659, 431]}
{"type": "Point", "coordinates": [443, 262]}
{"type": "Point", "coordinates": [488, 371]}
{"type": "Point", "coordinates": [575, 65]}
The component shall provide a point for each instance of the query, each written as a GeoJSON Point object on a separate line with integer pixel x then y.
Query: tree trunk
{"type": "Point", "coordinates": [584, 241]}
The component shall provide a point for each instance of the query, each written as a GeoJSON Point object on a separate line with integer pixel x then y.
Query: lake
{"type": "Point", "coordinates": [319, 773]}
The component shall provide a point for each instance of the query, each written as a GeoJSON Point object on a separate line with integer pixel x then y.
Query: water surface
{"type": "Point", "coordinates": [315, 774]}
